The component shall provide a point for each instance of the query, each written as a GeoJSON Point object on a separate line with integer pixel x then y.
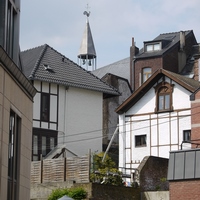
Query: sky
{"type": "Point", "coordinates": [61, 23]}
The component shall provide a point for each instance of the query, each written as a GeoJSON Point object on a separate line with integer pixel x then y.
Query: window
{"type": "Point", "coordinates": [164, 97]}
{"type": "Point", "coordinates": [13, 156]}
{"type": "Point", "coordinates": [11, 15]}
{"type": "Point", "coordinates": [35, 147]}
{"type": "Point", "coordinates": [45, 106]}
{"type": "Point", "coordinates": [186, 135]}
{"type": "Point", "coordinates": [146, 73]}
{"type": "Point", "coordinates": [153, 47]}
{"type": "Point", "coordinates": [140, 141]}
{"type": "Point", "coordinates": [44, 141]}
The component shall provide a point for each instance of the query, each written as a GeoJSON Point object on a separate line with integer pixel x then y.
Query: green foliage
{"type": "Point", "coordinates": [105, 172]}
{"type": "Point", "coordinates": [98, 164]}
{"type": "Point", "coordinates": [75, 193]}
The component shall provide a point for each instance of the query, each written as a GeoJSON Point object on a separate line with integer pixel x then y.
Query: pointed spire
{"type": "Point", "coordinates": [87, 53]}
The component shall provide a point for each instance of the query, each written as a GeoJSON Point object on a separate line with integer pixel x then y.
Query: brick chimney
{"type": "Point", "coordinates": [196, 61]}
{"type": "Point", "coordinates": [181, 53]}
{"type": "Point", "coordinates": [133, 51]}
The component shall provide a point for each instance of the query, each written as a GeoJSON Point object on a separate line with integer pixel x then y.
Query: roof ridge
{"type": "Point", "coordinates": [175, 32]}
{"type": "Point", "coordinates": [32, 48]}
{"type": "Point", "coordinates": [38, 60]}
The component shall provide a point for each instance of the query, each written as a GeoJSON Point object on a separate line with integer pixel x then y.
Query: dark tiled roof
{"type": "Point", "coordinates": [187, 83]}
{"type": "Point", "coordinates": [120, 68]}
{"type": "Point", "coordinates": [46, 64]}
{"type": "Point", "coordinates": [169, 40]}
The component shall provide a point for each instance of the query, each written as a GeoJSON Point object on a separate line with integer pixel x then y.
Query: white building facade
{"type": "Point", "coordinates": [68, 106]}
{"type": "Point", "coordinates": [155, 120]}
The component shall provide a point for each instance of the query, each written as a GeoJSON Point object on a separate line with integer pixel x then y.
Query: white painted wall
{"type": "Point", "coordinates": [80, 120]}
{"type": "Point", "coordinates": [80, 117]}
{"type": "Point", "coordinates": [164, 131]}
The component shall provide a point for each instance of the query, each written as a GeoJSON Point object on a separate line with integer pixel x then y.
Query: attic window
{"type": "Point", "coordinates": [153, 47]}
{"type": "Point", "coordinates": [164, 97]}
{"type": "Point", "coordinates": [48, 68]}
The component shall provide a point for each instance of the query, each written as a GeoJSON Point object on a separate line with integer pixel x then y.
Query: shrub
{"type": "Point", "coordinates": [105, 172]}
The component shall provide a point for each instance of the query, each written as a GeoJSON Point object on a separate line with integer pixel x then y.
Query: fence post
{"type": "Point", "coordinates": [41, 175]}
{"type": "Point", "coordinates": [65, 160]}
{"type": "Point", "coordinates": [89, 158]}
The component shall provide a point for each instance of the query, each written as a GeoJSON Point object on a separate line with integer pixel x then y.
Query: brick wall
{"type": "Point", "coordinates": [185, 190]}
{"type": "Point", "coordinates": [195, 119]}
{"type": "Point", "coordinates": [154, 63]}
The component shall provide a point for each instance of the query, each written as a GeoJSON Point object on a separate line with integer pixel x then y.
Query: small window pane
{"type": "Point", "coordinates": [146, 73]}
{"type": "Point", "coordinates": [140, 140]}
{"type": "Point", "coordinates": [52, 143]}
{"type": "Point", "coordinates": [161, 102]}
{"type": "Point", "coordinates": [35, 144]}
{"type": "Point", "coordinates": [35, 158]}
{"type": "Point", "coordinates": [186, 135]}
{"type": "Point", "coordinates": [150, 47]}
{"type": "Point", "coordinates": [166, 102]}
{"type": "Point", "coordinates": [43, 145]}
{"type": "Point", "coordinates": [156, 47]}
{"type": "Point", "coordinates": [45, 102]}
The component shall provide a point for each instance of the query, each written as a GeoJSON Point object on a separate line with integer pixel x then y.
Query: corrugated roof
{"type": "Point", "coordinates": [46, 64]}
{"type": "Point", "coordinates": [184, 165]}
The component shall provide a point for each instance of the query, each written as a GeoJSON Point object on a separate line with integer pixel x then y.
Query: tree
{"type": "Point", "coordinates": [105, 172]}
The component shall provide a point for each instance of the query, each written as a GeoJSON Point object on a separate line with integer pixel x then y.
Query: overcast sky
{"type": "Point", "coordinates": [61, 23]}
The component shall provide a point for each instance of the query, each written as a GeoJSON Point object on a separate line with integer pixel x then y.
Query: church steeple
{"type": "Point", "coordinates": [87, 53]}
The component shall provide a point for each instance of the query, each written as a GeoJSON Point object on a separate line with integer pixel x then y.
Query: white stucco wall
{"type": "Point", "coordinates": [164, 131]}
{"type": "Point", "coordinates": [80, 120]}
{"type": "Point", "coordinates": [78, 113]}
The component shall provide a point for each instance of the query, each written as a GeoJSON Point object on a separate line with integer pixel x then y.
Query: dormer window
{"type": "Point", "coordinates": [153, 47]}
{"type": "Point", "coordinates": [164, 97]}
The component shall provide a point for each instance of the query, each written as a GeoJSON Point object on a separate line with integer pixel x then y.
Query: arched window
{"type": "Point", "coordinates": [164, 97]}
{"type": "Point", "coordinates": [146, 73]}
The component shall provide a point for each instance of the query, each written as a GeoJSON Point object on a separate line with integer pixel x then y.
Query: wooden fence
{"type": "Point", "coordinates": [61, 169]}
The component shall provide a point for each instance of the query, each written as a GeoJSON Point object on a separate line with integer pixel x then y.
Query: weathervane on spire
{"type": "Point", "coordinates": [87, 13]}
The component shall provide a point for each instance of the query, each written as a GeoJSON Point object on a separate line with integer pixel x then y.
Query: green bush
{"type": "Point", "coordinates": [75, 193]}
{"type": "Point", "coordinates": [105, 172]}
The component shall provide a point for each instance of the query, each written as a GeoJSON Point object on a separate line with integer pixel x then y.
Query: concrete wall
{"type": "Point", "coordinates": [94, 191]}
{"type": "Point", "coordinates": [164, 195]}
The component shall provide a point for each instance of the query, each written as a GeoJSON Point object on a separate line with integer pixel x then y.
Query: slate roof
{"type": "Point", "coordinates": [120, 68]}
{"type": "Point", "coordinates": [188, 83]}
{"type": "Point", "coordinates": [169, 40]}
{"type": "Point", "coordinates": [46, 64]}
